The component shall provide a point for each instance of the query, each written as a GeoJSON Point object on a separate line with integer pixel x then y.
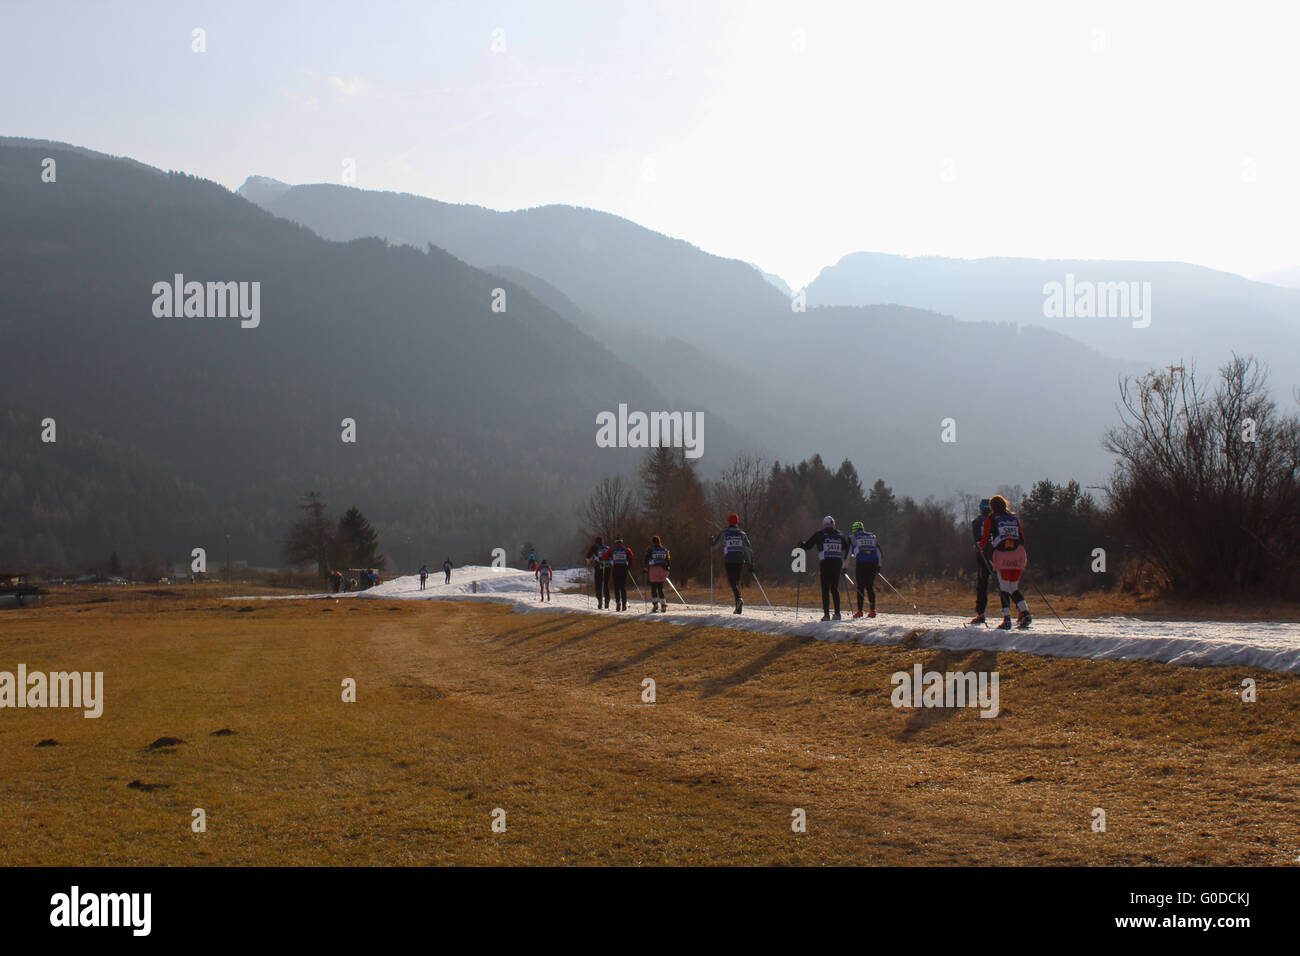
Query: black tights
{"type": "Point", "coordinates": [867, 579]}
{"type": "Point", "coordinates": [1007, 600]}
{"type": "Point", "coordinates": [733, 577]}
{"type": "Point", "coordinates": [831, 571]}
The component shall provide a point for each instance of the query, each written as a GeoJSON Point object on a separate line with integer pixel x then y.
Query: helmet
{"type": "Point", "coordinates": [828, 522]}
{"type": "Point", "coordinates": [857, 526]}
{"type": "Point", "coordinates": [733, 519]}
{"type": "Point", "coordinates": [985, 506]}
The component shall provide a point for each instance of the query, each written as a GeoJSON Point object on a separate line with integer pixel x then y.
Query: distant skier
{"type": "Point", "coordinates": [600, 572]}
{"type": "Point", "coordinates": [620, 561]}
{"type": "Point", "coordinates": [829, 543]}
{"type": "Point", "coordinates": [737, 554]}
{"type": "Point", "coordinates": [532, 560]}
{"type": "Point", "coordinates": [336, 578]}
{"type": "Point", "coordinates": [446, 570]}
{"type": "Point", "coordinates": [1002, 531]}
{"type": "Point", "coordinates": [424, 576]}
{"type": "Point", "coordinates": [657, 562]}
{"type": "Point", "coordinates": [865, 551]}
{"type": "Point", "coordinates": [983, 563]}
{"type": "Point", "coordinates": [543, 575]}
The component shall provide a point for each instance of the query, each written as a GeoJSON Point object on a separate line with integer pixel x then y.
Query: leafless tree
{"type": "Point", "coordinates": [609, 507]}
{"type": "Point", "coordinates": [1207, 486]}
{"type": "Point", "coordinates": [743, 488]}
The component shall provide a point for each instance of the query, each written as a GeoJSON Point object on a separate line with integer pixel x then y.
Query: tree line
{"type": "Point", "coordinates": [1204, 499]}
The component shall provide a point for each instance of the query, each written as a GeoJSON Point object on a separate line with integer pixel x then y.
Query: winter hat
{"type": "Point", "coordinates": [985, 506]}
{"type": "Point", "coordinates": [733, 519]}
{"type": "Point", "coordinates": [828, 522]}
{"type": "Point", "coordinates": [599, 539]}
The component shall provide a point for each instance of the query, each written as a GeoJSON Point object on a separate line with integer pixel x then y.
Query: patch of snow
{"type": "Point", "coordinates": [1265, 644]}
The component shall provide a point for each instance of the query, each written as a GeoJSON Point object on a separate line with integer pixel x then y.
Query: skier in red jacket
{"type": "Point", "coordinates": [1002, 532]}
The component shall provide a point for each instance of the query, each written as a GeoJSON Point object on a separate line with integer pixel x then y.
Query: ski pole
{"type": "Point", "coordinates": [896, 591]}
{"type": "Point", "coordinates": [710, 574]}
{"type": "Point", "coordinates": [760, 588]}
{"type": "Point", "coordinates": [632, 577]}
{"type": "Point", "coordinates": [993, 576]}
{"type": "Point", "coordinates": [677, 592]}
{"type": "Point", "coordinates": [798, 580]}
{"type": "Point", "coordinates": [1049, 605]}
{"type": "Point", "coordinates": [852, 587]}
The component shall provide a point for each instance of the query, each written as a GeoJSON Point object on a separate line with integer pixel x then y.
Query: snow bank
{"type": "Point", "coordinates": [1269, 645]}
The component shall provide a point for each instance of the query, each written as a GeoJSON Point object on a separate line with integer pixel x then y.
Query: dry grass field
{"type": "Point", "coordinates": [464, 708]}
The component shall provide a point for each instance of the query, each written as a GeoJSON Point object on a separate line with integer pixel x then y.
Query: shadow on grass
{"type": "Point", "coordinates": [582, 635]}
{"type": "Point", "coordinates": [717, 685]}
{"type": "Point", "coordinates": [612, 668]}
{"type": "Point", "coordinates": [945, 660]}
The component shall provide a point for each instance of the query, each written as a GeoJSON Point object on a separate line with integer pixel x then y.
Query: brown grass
{"type": "Point", "coordinates": [463, 708]}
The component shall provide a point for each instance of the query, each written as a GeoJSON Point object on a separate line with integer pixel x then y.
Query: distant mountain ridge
{"type": "Point", "coordinates": [860, 383]}
{"type": "Point", "coordinates": [1195, 312]}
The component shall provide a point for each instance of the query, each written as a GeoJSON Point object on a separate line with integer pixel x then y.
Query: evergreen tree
{"type": "Point", "coordinates": [356, 542]}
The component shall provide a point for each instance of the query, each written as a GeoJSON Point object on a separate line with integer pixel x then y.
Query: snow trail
{"type": "Point", "coordinates": [1269, 645]}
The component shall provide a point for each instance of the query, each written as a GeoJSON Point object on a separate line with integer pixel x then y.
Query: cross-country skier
{"type": "Point", "coordinates": [657, 562]}
{"type": "Point", "coordinates": [983, 559]}
{"type": "Point", "coordinates": [865, 551]}
{"type": "Point", "coordinates": [737, 554]}
{"type": "Point", "coordinates": [543, 575]}
{"type": "Point", "coordinates": [620, 561]}
{"type": "Point", "coordinates": [1002, 532]}
{"type": "Point", "coordinates": [600, 572]}
{"type": "Point", "coordinates": [532, 560]}
{"type": "Point", "coordinates": [829, 543]}
{"type": "Point", "coordinates": [424, 576]}
{"type": "Point", "coordinates": [446, 570]}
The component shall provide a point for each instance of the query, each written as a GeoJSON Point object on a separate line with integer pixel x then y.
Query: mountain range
{"type": "Point", "coordinates": [475, 428]}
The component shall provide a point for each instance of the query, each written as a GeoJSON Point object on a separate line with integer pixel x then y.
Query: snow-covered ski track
{"type": "Point", "coordinates": [1272, 646]}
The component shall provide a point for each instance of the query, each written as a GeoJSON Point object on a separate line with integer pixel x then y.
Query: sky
{"type": "Point", "coordinates": [784, 134]}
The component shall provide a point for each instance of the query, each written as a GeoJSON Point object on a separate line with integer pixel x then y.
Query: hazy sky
{"type": "Point", "coordinates": [787, 134]}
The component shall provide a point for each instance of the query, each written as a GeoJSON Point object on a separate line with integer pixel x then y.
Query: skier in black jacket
{"type": "Point", "coordinates": [599, 572]}
{"type": "Point", "coordinates": [983, 559]}
{"type": "Point", "coordinates": [829, 543]}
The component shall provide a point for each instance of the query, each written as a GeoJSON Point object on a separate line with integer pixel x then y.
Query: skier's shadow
{"type": "Point", "coordinates": [528, 633]}
{"type": "Point", "coordinates": [944, 661]}
{"type": "Point", "coordinates": [582, 635]}
{"type": "Point", "coordinates": [612, 668]}
{"type": "Point", "coordinates": [717, 685]}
